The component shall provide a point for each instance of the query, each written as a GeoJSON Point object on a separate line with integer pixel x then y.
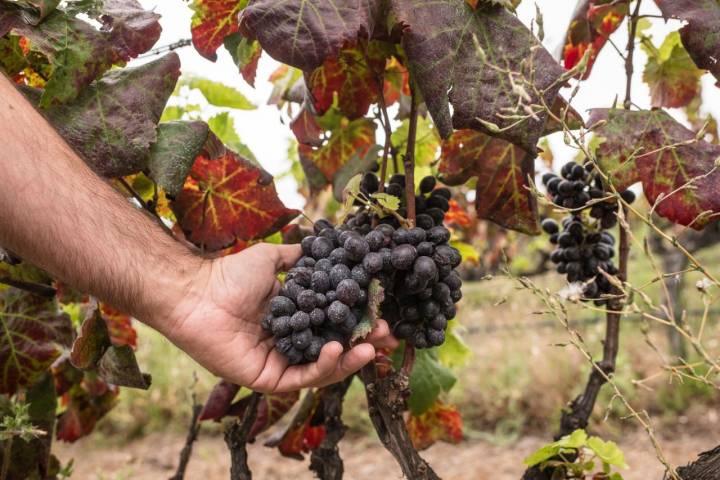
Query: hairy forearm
{"type": "Point", "coordinates": [56, 213]}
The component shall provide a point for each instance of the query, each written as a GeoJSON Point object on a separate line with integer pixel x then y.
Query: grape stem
{"type": "Point", "coordinates": [409, 160]}
{"type": "Point", "coordinates": [388, 134]}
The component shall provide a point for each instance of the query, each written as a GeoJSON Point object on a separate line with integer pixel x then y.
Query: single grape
{"type": "Point", "coordinates": [373, 263]}
{"type": "Point", "coordinates": [301, 340]}
{"type": "Point", "coordinates": [337, 312]}
{"type": "Point", "coordinates": [427, 184]}
{"type": "Point", "coordinates": [320, 281]}
{"type": "Point", "coordinates": [348, 292]}
{"type": "Point", "coordinates": [438, 235]}
{"type": "Point", "coordinates": [356, 248]}
{"type": "Point", "coordinates": [339, 273]}
{"type": "Point", "coordinates": [299, 321]}
{"type": "Point", "coordinates": [403, 256]}
{"type": "Point", "coordinates": [282, 306]}
{"type": "Point", "coordinates": [550, 226]}
{"type": "Point", "coordinates": [312, 352]}
{"type": "Point", "coordinates": [306, 245]}
{"type": "Point", "coordinates": [425, 268]}
{"type": "Point", "coordinates": [320, 225]}
{"type": "Point", "coordinates": [281, 326]}
{"type": "Point", "coordinates": [375, 240]}
{"type": "Point", "coordinates": [317, 317]}
{"type": "Point", "coordinates": [306, 300]}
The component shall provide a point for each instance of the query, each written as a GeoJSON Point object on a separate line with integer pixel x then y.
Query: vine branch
{"type": "Point", "coordinates": [325, 460]}
{"type": "Point", "coordinates": [192, 435]}
{"type": "Point", "coordinates": [236, 438]}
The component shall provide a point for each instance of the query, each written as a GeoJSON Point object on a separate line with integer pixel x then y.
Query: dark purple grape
{"type": "Point", "coordinates": [404, 330]}
{"type": "Point", "coordinates": [283, 344]}
{"type": "Point", "coordinates": [416, 235]}
{"type": "Point", "coordinates": [301, 275]}
{"type": "Point", "coordinates": [550, 226]}
{"type": "Point", "coordinates": [425, 268]}
{"type": "Point", "coordinates": [387, 259]}
{"type": "Point", "coordinates": [443, 192]}
{"type": "Point", "coordinates": [425, 294]}
{"type": "Point", "coordinates": [455, 295]}
{"type": "Point", "coordinates": [441, 292]}
{"type": "Point", "coordinates": [337, 312]}
{"type": "Point", "coordinates": [290, 289]}
{"type": "Point", "coordinates": [401, 236]}
{"type": "Point", "coordinates": [317, 317]}
{"type": "Point", "coordinates": [348, 292]}
{"type": "Point", "coordinates": [306, 262]}
{"type": "Point", "coordinates": [437, 215]}
{"type": "Point", "coordinates": [427, 184]}
{"type": "Point", "coordinates": [419, 339]}
{"type": "Point", "coordinates": [629, 196]}
{"type": "Point", "coordinates": [437, 201]}
{"type": "Point", "coordinates": [438, 235]}
{"type": "Point", "coordinates": [425, 249]}
{"type": "Point", "coordinates": [282, 306]}
{"type": "Point", "coordinates": [281, 326]}
{"type": "Point", "coordinates": [395, 190]}
{"type": "Point", "coordinates": [306, 300]}
{"type": "Point", "coordinates": [320, 282]}
{"type": "Point", "coordinates": [299, 321]}
{"type": "Point", "coordinates": [312, 352]}
{"type": "Point", "coordinates": [343, 237]}
{"type": "Point", "coordinates": [375, 240]}
{"type": "Point", "coordinates": [435, 338]}
{"type": "Point", "coordinates": [339, 273]}
{"type": "Point", "coordinates": [425, 221]}
{"type": "Point", "coordinates": [356, 248]}
{"type": "Point", "coordinates": [370, 183]}
{"type": "Point", "coordinates": [373, 262]}
{"type": "Point", "coordinates": [449, 311]}
{"type": "Point", "coordinates": [429, 309]}
{"type": "Point", "coordinates": [330, 296]}
{"type": "Point", "coordinates": [301, 340]}
{"type": "Point", "coordinates": [410, 313]}
{"type": "Point", "coordinates": [320, 225]}
{"type": "Point", "coordinates": [403, 257]}
{"type": "Point", "coordinates": [439, 322]}
{"type": "Point", "coordinates": [360, 275]}
{"type": "Point", "coordinates": [266, 322]}
{"type": "Point", "coordinates": [397, 179]}
{"type": "Point", "coordinates": [453, 281]}
{"type": "Point", "coordinates": [323, 265]}
{"type": "Point", "coordinates": [306, 245]}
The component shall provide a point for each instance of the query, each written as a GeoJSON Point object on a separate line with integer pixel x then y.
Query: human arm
{"type": "Point", "coordinates": [56, 213]}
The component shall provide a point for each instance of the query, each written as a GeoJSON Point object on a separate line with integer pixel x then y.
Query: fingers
{"type": "Point", "coordinates": [331, 367]}
{"type": "Point", "coordinates": [285, 256]}
{"type": "Point", "coordinates": [380, 336]}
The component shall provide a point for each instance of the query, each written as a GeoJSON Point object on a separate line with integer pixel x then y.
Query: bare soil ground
{"type": "Point", "coordinates": [155, 457]}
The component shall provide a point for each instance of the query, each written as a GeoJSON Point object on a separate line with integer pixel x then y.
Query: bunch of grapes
{"type": "Point", "coordinates": [584, 248]}
{"type": "Point", "coordinates": [325, 294]}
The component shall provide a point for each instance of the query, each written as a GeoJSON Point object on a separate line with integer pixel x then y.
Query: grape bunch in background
{"type": "Point", "coordinates": [584, 248]}
{"type": "Point", "coordinates": [325, 294]}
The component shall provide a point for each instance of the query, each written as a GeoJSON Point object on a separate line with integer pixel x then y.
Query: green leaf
{"type": "Point", "coordinates": [427, 143]}
{"type": "Point", "coordinates": [219, 94]}
{"type": "Point", "coordinates": [461, 56]}
{"type": "Point", "coordinates": [352, 168]}
{"type": "Point", "coordinates": [673, 78]}
{"type": "Point", "coordinates": [428, 380]}
{"type": "Point", "coordinates": [608, 452]}
{"type": "Point", "coordinates": [454, 352]}
{"type": "Point", "coordinates": [92, 342]}
{"type": "Point", "coordinates": [572, 442]}
{"type": "Point", "coordinates": [467, 251]}
{"type": "Point", "coordinates": [223, 126]}
{"type": "Point", "coordinates": [701, 34]}
{"type": "Point", "coordinates": [246, 54]}
{"type": "Point", "coordinates": [119, 367]}
{"type": "Point", "coordinates": [173, 154]}
{"type": "Point", "coordinates": [387, 201]}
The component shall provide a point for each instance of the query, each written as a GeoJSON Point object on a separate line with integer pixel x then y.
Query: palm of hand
{"type": "Point", "coordinates": [223, 333]}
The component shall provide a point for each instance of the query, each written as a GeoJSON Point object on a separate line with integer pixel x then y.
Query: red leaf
{"type": "Point", "coordinates": [440, 423]}
{"type": "Point", "coordinates": [212, 21]}
{"type": "Point", "coordinates": [219, 401]}
{"type": "Point", "coordinates": [272, 407]}
{"type": "Point", "coordinates": [353, 76]}
{"type": "Point", "coordinates": [120, 326]}
{"type": "Point", "coordinates": [676, 170]}
{"type": "Point", "coordinates": [86, 404]}
{"type": "Point", "coordinates": [228, 199]}
{"type": "Point", "coordinates": [32, 328]}
{"type": "Point", "coordinates": [590, 27]}
{"type": "Point", "coordinates": [355, 138]}
{"type": "Point", "coordinates": [502, 172]}
{"type": "Point", "coordinates": [302, 440]}
{"type": "Point", "coordinates": [306, 129]}
{"type": "Point", "coordinates": [397, 81]}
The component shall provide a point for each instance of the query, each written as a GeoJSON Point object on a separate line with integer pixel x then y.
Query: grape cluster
{"type": "Point", "coordinates": [326, 292]}
{"type": "Point", "coordinates": [584, 248]}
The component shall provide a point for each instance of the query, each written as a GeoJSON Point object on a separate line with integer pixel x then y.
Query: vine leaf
{"type": "Point", "coordinates": [212, 21]}
{"type": "Point", "coordinates": [478, 61]}
{"type": "Point", "coordinates": [304, 33]}
{"type": "Point", "coordinates": [351, 139]}
{"type": "Point", "coordinates": [673, 78]}
{"type": "Point", "coordinates": [502, 170]}
{"type": "Point", "coordinates": [351, 79]}
{"type": "Point", "coordinates": [79, 53]}
{"type": "Point", "coordinates": [427, 381]}
{"type": "Point", "coordinates": [172, 155]}
{"type": "Point", "coordinates": [226, 199]}
{"type": "Point", "coordinates": [306, 128]}
{"type": "Point", "coordinates": [218, 94]}
{"type": "Point", "coordinates": [219, 401]}
{"type": "Point", "coordinates": [119, 366]}
{"type": "Point", "coordinates": [34, 11]}
{"type": "Point", "coordinates": [653, 148]}
{"type": "Point", "coordinates": [86, 403]}
{"type": "Point", "coordinates": [113, 122]}
{"type": "Point", "coordinates": [440, 423]}
{"type": "Point", "coordinates": [246, 55]}
{"type": "Point", "coordinates": [427, 141]}
{"type": "Point", "coordinates": [272, 407]}
{"type": "Point", "coordinates": [592, 24]}
{"type": "Point", "coordinates": [701, 35]}
{"type": "Point", "coordinates": [92, 342]}
{"type": "Point", "coordinates": [32, 331]}
{"type": "Point", "coordinates": [119, 326]}
{"type": "Point", "coordinates": [223, 126]}
{"type": "Point", "coordinates": [300, 435]}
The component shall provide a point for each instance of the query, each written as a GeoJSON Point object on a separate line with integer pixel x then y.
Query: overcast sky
{"type": "Point", "coordinates": [268, 138]}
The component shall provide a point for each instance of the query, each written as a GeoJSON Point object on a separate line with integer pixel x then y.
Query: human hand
{"type": "Point", "coordinates": [218, 324]}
